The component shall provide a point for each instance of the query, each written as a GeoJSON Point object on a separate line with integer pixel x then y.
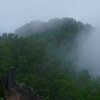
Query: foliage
{"type": "Point", "coordinates": [40, 62]}
{"type": "Point", "coordinates": [1, 90]}
{"type": "Point", "coordinates": [1, 98]}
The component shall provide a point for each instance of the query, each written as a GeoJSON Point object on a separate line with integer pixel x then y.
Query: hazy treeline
{"type": "Point", "coordinates": [41, 62]}
{"type": "Point", "coordinates": [65, 24]}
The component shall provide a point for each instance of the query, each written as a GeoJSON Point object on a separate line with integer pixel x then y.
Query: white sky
{"type": "Point", "coordinates": [15, 13]}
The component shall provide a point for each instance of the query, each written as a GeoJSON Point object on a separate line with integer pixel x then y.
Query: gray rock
{"type": "Point", "coordinates": [21, 92]}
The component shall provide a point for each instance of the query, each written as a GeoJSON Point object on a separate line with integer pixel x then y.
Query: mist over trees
{"type": "Point", "coordinates": [65, 24]}
{"type": "Point", "coordinates": [40, 53]}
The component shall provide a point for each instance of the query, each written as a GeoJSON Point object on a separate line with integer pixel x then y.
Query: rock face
{"type": "Point", "coordinates": [16, 91]}
{"type": "Point", "coordinates": [21, 92]}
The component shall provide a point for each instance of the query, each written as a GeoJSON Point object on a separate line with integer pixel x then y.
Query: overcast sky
{"type": "Point", "coordinates": [15, 13]}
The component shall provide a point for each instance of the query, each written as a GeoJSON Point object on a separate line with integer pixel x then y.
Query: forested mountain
{"type": "Point", "coordinates": [64, 24]}
{"type": "Point", "coordinates": [38, 51]}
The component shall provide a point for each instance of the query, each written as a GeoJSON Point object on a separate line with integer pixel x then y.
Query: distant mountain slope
{"type": "Point", "coordinates": [43, 59]}
{"type": "Point", "coordinates": [64, 24]}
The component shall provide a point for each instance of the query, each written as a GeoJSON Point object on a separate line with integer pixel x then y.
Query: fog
{"type": "Point", "coordinates": [87, 52]}
{"type": "Point", "coordinates": [15, 13]}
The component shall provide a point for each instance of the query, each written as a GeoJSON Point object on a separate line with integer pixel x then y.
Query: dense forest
{"type": "Point", "coordinates": [40, 52]}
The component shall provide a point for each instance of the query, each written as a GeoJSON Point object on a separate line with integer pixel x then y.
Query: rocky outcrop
{"type": "Point", "coordinates": [21, 92]}
{"type": "Point", "coordinates": [13, 90]}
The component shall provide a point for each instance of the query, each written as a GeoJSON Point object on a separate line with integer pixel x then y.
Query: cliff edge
{"type": "Point", "coordinates": [13, 90]}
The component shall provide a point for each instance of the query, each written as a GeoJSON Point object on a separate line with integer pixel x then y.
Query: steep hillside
{"type": "Point", "coordinates": [41, 59]}
{"type": "Point", "coordinates": [64, 24]}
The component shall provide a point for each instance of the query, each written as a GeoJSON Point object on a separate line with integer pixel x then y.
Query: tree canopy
{"type": "Point", "coordinates": [39, 59]}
